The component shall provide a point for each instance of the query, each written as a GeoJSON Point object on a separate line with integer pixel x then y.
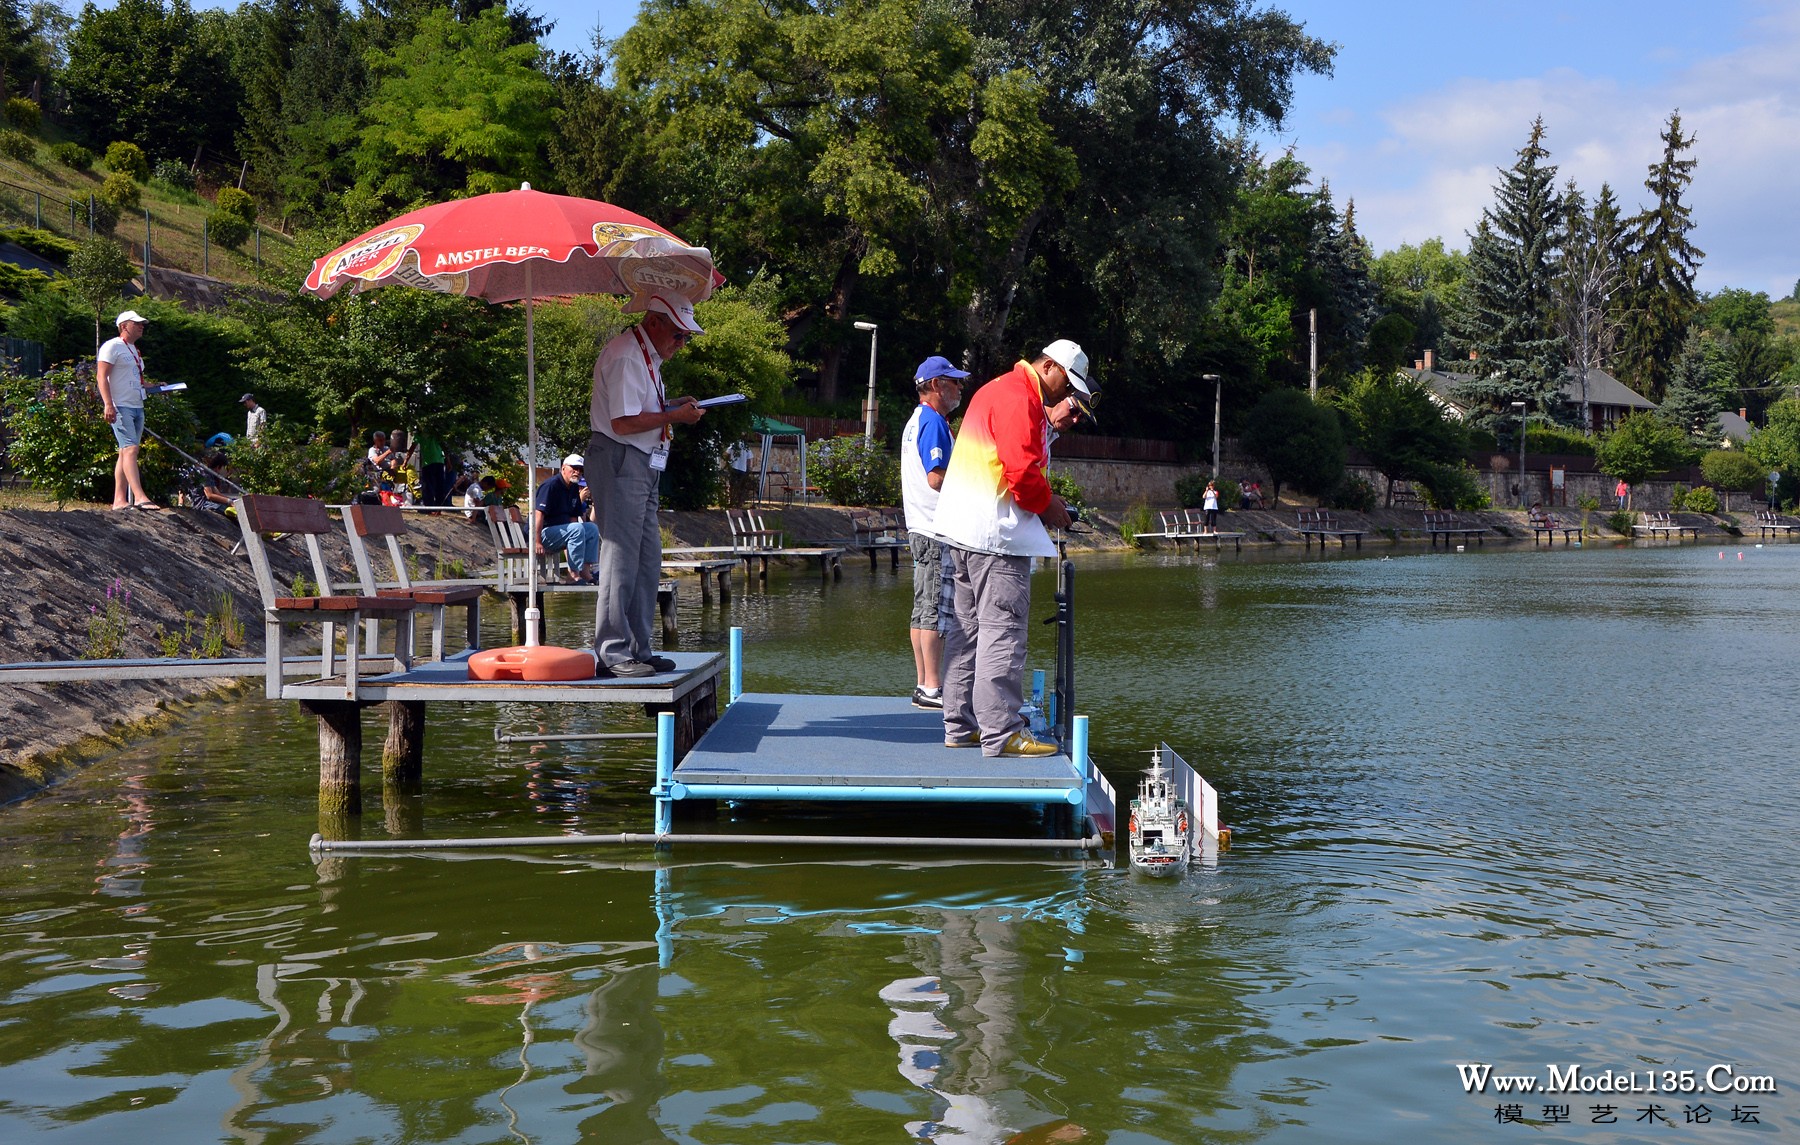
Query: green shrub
{"type": "Point", "coordinates": [1353, 493]}
{"type": "Point", "coordinates": [17, 145]}
{"type": "Point", "coordinates": [235, 202]}
{"type": "Point", "coordinates": [226, 229]}
{"type": "Point", "coordinates": [1230, 493]}
{"type": "Point", "coordinates": [62, 444]}
{"type": "Point", "coordinates": [1558, 439]}
{"type": "Point", "coordinates": [1065, 487]}
{"type": "Point", "coordinates": [171, 173]}
{"type": "Point", "coordinates": [1190, 490]}
{"type": "Point", "coordinates": [105, 215]}
{"type": "Point", "coordinates": [24, 114]}
{"type": "Point", "coordinates": [41, 242]}
{"type": "Point", "coordinates": [1678, 496]}
{"type": "Point", "coordinates": [1733, 469]}
{"type": "Point", "coordinates": [1700, 499]}
{"type": "Point", "coordinates": [127, 159]}
{"type": "Point", "coordinates": [73, 156]}
{"type": "Point", "coordinates": [850, 471]}
{"type": "Point", "coordinates": [288, 462]}
{"type": "Point", "coordinates": [1453, 487]}
{"type": "Point", "coordinates": [1620, 521]}
{"type": "Point", "coordinates": [1137, 519]}
{"type": "Point", "coordinates": [120, 192]}
{"type": "Point", "coordinates": [18, 281]}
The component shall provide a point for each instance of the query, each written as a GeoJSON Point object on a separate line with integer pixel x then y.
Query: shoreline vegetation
{"type": "Point", "coordinates": [179, 568]}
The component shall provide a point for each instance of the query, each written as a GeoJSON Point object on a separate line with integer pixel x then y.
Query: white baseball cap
{"type": "Point", "coordinates": [1074, 359]}
{"type": "Point", "coordinates": [671, 306]}
{"type": "Point", "coordinates": [576, 460]}
{"type": "Point", "coordinates": [130, 316]}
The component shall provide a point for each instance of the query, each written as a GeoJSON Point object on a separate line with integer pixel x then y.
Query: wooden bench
{"type": "Point", "coordinates": [513, 552]}
{"type": "Point", "coordinates": [878, 530]}
{"type": "Point", "coordinates": [754, 543]}
{"type": "Point", "coordinates": [1445, 524]}
{"type": "Point", "coordinates": [1546, 526]}
{"type": "Point", "coordinates": [1657, 524]}
{"type": "Point", "coordinates": [328, 608]}
{"type": "Point", "coordinates": [366, 524]}
{"type": "Point", "coordinates": [1323, 524]}
{"type": "Point", "coordinates": [1769, 524]}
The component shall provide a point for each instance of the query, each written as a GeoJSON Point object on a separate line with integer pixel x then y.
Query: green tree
{"type": "Point", "coordinates": [1700, 386]}
{"type": "Point", "coordinates": [1406, 435]}
{"type": "Point", "coordinates": [99, 272]}
{"type": "Point", "coordinates": [1420, 283]}
{"type": "Point", "coordinates": [1507, 310]}
{"type": "Point", "coordinates": [1732, 469]}
{"type": "Point", "coordinates": [1642, 445]}
{"type": "Point", "coordinates": [457, 108]}
{"type": "Point", "coordinates": [1776, 446]}
{"type": "Point", "coordinates": [303, 70]}
{"type": "Point", "coordinates": [1298, 442]}
{"type": "Point", "coordinates": [1661, 299]}
{"type": "Point", "coordinates": [153, 73]}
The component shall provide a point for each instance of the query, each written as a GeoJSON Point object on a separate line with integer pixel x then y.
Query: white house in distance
{"type": "Point", "coordinates": [1609, 399]}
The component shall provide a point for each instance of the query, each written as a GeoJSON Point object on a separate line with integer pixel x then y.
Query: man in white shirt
{"type": "Point", "coordinates": [924, 455]}
{"type": "Point", "coordinates": [119, 371]}
{"type": "Point", "coordinates": [630, 418]}
{"type": "Point", "coordinates": [258, 417]}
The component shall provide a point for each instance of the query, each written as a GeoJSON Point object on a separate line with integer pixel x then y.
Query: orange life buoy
{"type": "Point", "coordinates": [1134, 829]}
{"type": "Point", "coordinates": [1181, 824]}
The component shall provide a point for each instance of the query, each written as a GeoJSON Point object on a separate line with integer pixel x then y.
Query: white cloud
{"type": "Point", "coordinates": [1433, 169]}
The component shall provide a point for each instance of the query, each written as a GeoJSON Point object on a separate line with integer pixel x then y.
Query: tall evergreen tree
{"type": "Point", "coordinates": [1663, 264]}
{"type": "Point", "coordinates": [1506, 315]}
{"type": "Point", "coordinates": [1700, 386]}
{"type": "Point", "coordinates": [1342, 289]}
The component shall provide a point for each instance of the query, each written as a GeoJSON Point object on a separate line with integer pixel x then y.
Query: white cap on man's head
{"type": "Point", "coordinates": [1074, 359]}
{"type": "Point", "coordinates": [671, 306]}
{"type": "Point", "coordinates": [130, 316]}
{"type": "Point", "coordinates": [575, 460]}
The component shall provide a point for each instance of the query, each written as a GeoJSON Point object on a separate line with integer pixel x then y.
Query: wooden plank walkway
{"type": "Point", "coordinates": [449, 680]}
{"type": "Point", "coordinates": [161, 668]}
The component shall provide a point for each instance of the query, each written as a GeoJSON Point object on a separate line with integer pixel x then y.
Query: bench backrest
{"type": "Point", "coordinates": [380, 523]}
{"type": "Point", "coordinates": [303, 517]}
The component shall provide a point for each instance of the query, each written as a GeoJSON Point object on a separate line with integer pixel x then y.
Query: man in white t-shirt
{"type": "Point", "coordinates": [256, 418]}
{"type": "Point", "coordinates": [119, 370]}
{"type": "Point", "coordinates": [631, 419]}
{"type": "Point", "coordinates": [924, 455]}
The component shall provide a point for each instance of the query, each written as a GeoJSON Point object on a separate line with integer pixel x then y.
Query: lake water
{"type": "Point", "coordinates": [1516, 809]}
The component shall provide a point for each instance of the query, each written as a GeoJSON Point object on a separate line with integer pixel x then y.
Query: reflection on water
{"type": "Point", "coordinates": [1516, 808]}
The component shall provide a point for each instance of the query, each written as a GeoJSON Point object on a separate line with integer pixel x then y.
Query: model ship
{"type": "Point", "coordinates": [1158, 837]}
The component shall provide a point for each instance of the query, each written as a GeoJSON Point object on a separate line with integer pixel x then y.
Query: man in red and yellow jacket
{"type": "Point", "coordinates": [995, 512]}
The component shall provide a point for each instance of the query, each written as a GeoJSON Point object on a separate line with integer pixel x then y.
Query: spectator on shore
{"type": "Point", "coordinates": [119, 373]}
{"type": "Point", "coordinates": [256, 418]}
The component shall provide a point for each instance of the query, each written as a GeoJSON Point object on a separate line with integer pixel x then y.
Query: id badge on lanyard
{"type": "Point", "coordinates": [659, 457]}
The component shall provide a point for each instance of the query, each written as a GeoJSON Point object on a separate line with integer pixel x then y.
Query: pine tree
{"type": "Point", "coordinates": [1700, 385]}
{"type": "Point", "coordinates": [1663, 264]}
{"type": "Point", "coordinates": [1506, 313]}
{"type": "Point", "coordinates": [1345, 291]}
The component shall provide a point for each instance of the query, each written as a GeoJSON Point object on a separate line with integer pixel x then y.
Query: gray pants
{"type": "Point", "coordinates": [984, 647]}
{"type": "Point", "coordinates": [624, 495]}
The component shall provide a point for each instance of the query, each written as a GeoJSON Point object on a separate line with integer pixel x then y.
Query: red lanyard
{"type": "Point", "coordinates": [662, 399]}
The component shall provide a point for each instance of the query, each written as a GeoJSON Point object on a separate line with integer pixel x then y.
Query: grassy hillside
{"type": "Point", "coordinates": [1787, 318]}
{"type": "Point", "coordinates": [42, 192]}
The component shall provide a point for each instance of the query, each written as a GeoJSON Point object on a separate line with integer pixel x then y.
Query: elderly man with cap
{"type": "Point", "coordinates": [119, 371]}
{"type": "Point", "coordinates": [256, 418]}
{"type": "Point", "coordinates": [632, 419]}
{"type": "Point", "coordinates": [995, 511]}
{"type": "Point", "coordinates": [924, 456]}
{"type": "Point", "coordinates": [559, 520]}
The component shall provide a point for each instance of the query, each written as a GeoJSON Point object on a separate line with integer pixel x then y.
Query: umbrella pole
{"type": "Point", "coordinates": [533, 616]}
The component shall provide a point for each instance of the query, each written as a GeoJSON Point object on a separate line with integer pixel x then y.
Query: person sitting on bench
{"type": "Point", "coordinates": [559, 520]}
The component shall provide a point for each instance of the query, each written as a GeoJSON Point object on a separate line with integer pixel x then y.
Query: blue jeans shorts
{"type": "Point", "coordinates": [128, 426]}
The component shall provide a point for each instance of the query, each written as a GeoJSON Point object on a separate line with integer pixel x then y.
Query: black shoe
{"type": "Point", "coordinates": [923, 699]}
{"type": "Point", "coordinates": [630, 669]}
{"type": "Point", "coordinates": [661, 663]}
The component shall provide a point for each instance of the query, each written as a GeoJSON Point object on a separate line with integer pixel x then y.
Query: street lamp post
{"type": "Point", "coordinates": [869, 403]}
{"type": "Point", "coordinates": [1217, 384]}
{"type": "Point", "coordinates": [1520, 407]}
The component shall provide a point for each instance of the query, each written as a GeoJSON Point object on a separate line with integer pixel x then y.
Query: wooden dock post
{"type": "Point", "coordinates": [340, 755]}
{"type": "Point", "coordinates": [403, 752]}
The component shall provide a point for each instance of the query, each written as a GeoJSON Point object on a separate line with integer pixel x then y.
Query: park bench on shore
{"type": "Point", "coordinates": [1323, 524]}
{"type": "Point", "coordinates": [878, 530]}
{"type": "Point", "coordinates": [1658, 524]}
{"type": "Point", "coordinates": [1770, 524]}
{"type": "Point", "coordinates": [1546, 526]}
{"type": "Point", "coordinates": [1445, 524]}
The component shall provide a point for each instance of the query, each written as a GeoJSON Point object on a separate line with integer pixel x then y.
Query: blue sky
{"type": "Point", "coordinates": [1429, 97]}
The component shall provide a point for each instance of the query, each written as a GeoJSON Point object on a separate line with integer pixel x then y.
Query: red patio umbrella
{"type": "Point", "coordinates": [513, 245]}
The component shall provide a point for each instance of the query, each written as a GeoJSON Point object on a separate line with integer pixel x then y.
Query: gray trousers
{"type": "Point", "coordinates": [984, 646]}
{"type": "Point", "coordinates": [624, 496]}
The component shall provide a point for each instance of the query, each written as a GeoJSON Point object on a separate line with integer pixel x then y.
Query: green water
{"type": "Point", "coordinates": [1509, 807]}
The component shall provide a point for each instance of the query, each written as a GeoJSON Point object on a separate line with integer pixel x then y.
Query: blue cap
{"type": "Point", "coordinates": [936, 366]}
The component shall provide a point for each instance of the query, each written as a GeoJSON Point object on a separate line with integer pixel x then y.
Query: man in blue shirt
{"type": "Point", "coordinates": [559, 521]}
{"type": "Point", "coordinates": [924, 455]}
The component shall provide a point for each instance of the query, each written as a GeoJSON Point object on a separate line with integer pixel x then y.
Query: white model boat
{"type": "Point", "coordinates": [1159, 828]}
